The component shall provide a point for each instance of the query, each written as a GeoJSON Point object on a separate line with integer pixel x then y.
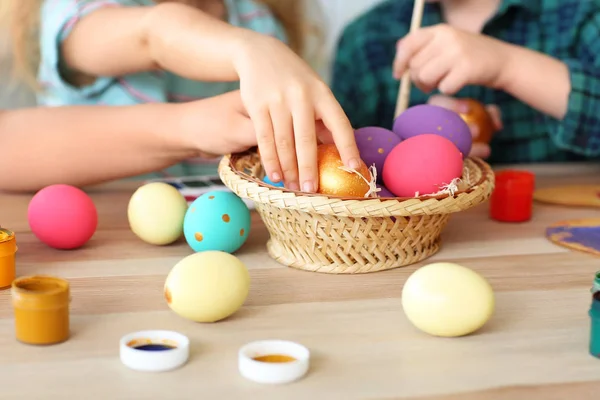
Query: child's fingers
{"type": "Point", "coordinates": [408, 47]}
{"type": "Point", "coordinates": [284, 142]}
{"type": "Point", "coordinates": [334, 118]}
{"type": "Point", "coordinates": [451, 103]}
{"type": "Point", "coordinates": [480, 150]}
{"type": "Point", "coordinates": [306, 145]}
{"type": "Point", "coordinates": [430, 74]}
{"type": "Point", "coordinates": [266, 144]}
{"type": "Point", "coordinates": [453, 81]}
{"type": "Point", "coordinates": [496, 116]}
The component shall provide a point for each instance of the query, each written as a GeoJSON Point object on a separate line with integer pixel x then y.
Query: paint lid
{"type": "Point", "coordinates": [154, 351]}
{"type": "Point", "coordinates": [273, 361]}
{"type": "Point", "coordinates": [6, 235]}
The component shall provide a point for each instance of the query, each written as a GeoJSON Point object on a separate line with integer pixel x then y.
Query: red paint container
{"type": "Point", "coordinates": [512, 199]}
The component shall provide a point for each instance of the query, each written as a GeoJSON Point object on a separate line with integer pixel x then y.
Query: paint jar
{"type": "Point", "coordinates": [41, 306]}
{"type": "Point", "coordinates": [594, 314]}
{"type": "Point", "coordinates": [512, 198]}
{"type": "Point", "coordinates": [596, 283]}
{"type": "Point", "coordinates": [8, 250]}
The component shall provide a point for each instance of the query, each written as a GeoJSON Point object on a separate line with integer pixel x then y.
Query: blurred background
{"type": "Point", "coordinates": [332, 15]}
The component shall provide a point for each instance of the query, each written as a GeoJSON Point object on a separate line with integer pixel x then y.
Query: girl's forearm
{"type": "Point", "coordinates": [168, 36]}
{"type": "Point", "coordinates": [538, 80]}
{"type": "Point", "coordinates": [83, 145]}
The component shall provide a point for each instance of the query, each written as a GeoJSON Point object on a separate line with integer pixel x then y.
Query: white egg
{"type": "Point", "coordinates": [156, 212]}
{"type": "Point", "coordinates": [446, 299]}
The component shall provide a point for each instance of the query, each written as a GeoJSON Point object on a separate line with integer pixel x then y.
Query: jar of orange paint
{"type": "Point", "coordinates": [41, 306]}
{"type": "Point", "coordinates": [8, 250]}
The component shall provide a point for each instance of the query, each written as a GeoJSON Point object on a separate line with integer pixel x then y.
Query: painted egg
{"type": "Point", "coordinates": [447, 300]}
{"type": "Point", "coordinates": [217, 220]}
{"type": "Point", "coordinates": [374, 145]}
{"type": "Point", "coordinates": [207, 287]}
{"type": "Point", "coordinates": [156, 212]}
{"type": "Point", "coordinates": [422, 165]}
{"type": "Point", "coordinates": [62, 216]}
{"type": "Point", "coordinates": [335, 181]}
{"type": "Point", "coordinates": [427, 118]}
{"type": "Point", "coordinates": [270, 182]}
{"type": "Point", "coordinates": [478, 115]}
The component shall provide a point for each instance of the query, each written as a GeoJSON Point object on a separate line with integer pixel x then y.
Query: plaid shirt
{"type": "Point", "coordinates": [568, 30]}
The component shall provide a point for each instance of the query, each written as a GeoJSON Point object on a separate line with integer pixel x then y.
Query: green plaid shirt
{"type": "Point", "coordinates": [566, 29]}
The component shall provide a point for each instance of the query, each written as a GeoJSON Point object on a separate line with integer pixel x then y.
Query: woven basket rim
{"type": "Point", "coordinates": [479, 191]}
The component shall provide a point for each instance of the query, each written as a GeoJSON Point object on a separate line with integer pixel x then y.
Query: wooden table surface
{"type": "Point", "coordinates": [363, 347]}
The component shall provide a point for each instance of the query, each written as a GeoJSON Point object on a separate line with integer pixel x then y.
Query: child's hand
{"type": "Point", "coordinates": [287, 103]}
{"type": "Point", "coordinates": [447, 58]}
{"type": "Point", "coordinates": [214, 126]}
{"type": "Point", "coordinates": [481, 150]}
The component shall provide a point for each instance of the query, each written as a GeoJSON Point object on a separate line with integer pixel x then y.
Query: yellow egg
{"type": "Point", "coordinates": [449, 300]}
{"type": "Point", "coordinates": [207, 286]}
{"type": "Point", "coordinates": [156, 212]}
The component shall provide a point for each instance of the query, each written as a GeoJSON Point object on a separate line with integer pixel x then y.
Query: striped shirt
{"type": "Point", "coordinates": [57, 20]}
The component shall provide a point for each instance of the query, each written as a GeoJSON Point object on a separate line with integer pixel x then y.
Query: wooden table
{"type": "Point", "coordinates": [363, 347]}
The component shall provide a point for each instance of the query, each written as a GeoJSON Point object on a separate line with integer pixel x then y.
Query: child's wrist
{"type": "Point", "coordinates": [167, 129]}
{"type": "Point", "coordinates": [508, 68]}
{"type": "Point", "coordinates": [245, 45]}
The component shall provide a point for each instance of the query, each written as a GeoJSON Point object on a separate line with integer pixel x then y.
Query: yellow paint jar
{"type": "Point", "coordinates": [41, 306]}
{"type": "Point", "coordinates": [8, 249]}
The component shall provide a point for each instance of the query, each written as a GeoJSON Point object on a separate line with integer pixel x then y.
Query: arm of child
{"type": "Point", "coordinates": [565, 87]}
{"type": "Point", "coordinates": [169, 36]}
{"type": "Point", "coordinates": [86, 145]}
{"type": "Point", "coordinates": [83, 145]}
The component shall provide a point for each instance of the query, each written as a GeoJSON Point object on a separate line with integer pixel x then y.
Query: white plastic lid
{"type": "Point", "coordinates": [154, 351]}
{"type": "Point", "coordinates": [273, 372]}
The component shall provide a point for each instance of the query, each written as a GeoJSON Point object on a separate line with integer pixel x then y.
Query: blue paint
{"type": "Point", "coordinates": [270, 182]}
{"type": "Point", "coordinates": [586, 236]}
{"type": "Point", "coordinates": [154, 347]}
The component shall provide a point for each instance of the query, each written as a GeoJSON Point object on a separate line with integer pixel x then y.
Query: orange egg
{"type": "Point", "coordinates": [479, 116]}
{"type": "Point", "coordinates": [334, 180]}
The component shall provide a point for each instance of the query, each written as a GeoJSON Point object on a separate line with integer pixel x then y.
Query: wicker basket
{"type": "Point", "coordinates": [351, 235]}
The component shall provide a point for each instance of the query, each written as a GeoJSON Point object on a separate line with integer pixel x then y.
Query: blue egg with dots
{"type": "Point", "coordinates": [270, 182]}
{"type": "Point", "coordinates": [217, 221]}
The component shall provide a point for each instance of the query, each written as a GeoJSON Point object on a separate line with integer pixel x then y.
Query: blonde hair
{"type": "Point", "coordinates": [22, 18]}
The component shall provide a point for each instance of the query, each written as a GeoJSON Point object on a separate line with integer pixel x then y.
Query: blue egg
{"type": "Point", "coordinates": [218, 221]}
{"type": "Point", "coordinates": [270, 182]}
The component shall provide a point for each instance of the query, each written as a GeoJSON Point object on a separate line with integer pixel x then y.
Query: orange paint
{"type": "Point", "coordinates": [168, 295]}
{"type": "Point", "coordinates": [8, 248]}
{"type": "Point", "coordinates": [226, 218]}
{"type": "Point", "coordinates": [242, 232]}
{"type": "Point", "coordinates": [275, 358]}
{"type": "Point", "coordinates": [41, 306]}
{"type": "Point", "coordinates": [211, 197]}
{"type": "Point", "coordinates": [198, 236]}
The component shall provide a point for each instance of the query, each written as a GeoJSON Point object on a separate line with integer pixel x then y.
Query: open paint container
{"type": "Point", "coordinates": [8, 249]}
{"type": "Point", "coordinates": [41, 307]}
{"type": "Point", "coordinates": [154, 351]}
{"type": "Point", "coordinates": [273, 361]}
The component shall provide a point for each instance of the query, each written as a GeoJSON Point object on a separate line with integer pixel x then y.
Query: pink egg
{"type": "Point", "coordinates": [62, 216]}
{"type": "Point", "coordinates": [422, 164]}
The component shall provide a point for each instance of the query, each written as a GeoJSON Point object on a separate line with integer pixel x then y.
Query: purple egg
{"type": "Point", "coordinates": [374, 144]}
{"type": "Point", "coordinates": [427, 118]}
{"type": "Point", "coordinates": [384, 192]}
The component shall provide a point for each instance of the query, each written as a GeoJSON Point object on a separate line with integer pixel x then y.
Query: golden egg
{"type": "Point", "coordinates": [334, 180]}
{"type": "Point", "coordinates": [478, 115]}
